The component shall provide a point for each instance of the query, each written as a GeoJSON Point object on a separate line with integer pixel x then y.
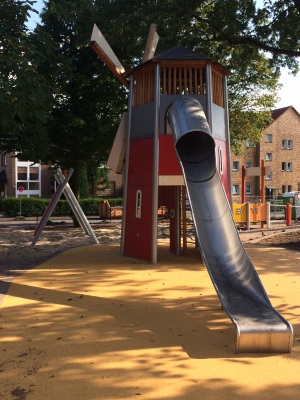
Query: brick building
{"type": "Point", "coordinates": [279, 148]}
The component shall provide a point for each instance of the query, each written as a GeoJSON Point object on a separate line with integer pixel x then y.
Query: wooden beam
{"type": "Point", "coordinates": [105, 52]}
{"type": "Point", "coordinates": [151, 43]}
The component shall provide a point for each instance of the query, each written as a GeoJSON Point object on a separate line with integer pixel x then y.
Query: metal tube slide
{"type": "Point", "coordinates": [260, 328]}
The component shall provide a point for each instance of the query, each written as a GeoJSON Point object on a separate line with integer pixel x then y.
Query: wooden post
{"type": "Point", "coordinates": [262, 185]}
{"type": "Point", "coordinates": [243, 185]}
{"type": "Point", "coordinates": [262, 182]}
{"type": "Point", "coordinates": [184, 237]}
{"type": "Point", "coordinates": [288, 214]}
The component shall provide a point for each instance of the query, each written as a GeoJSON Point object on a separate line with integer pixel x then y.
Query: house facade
{"type": "Point", "coordinates": [115, 186]}
{"type": "Point", "coordinates": [279, 147]}
{"type": "Point", "coordinates": [24, 178]}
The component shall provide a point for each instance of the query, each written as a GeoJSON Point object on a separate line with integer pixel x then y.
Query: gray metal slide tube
{"type": "Point", "coordinates": [259, 327]}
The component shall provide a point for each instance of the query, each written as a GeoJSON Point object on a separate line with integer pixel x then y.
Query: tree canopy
{"type": "Point", "coordinates": [60, 105]}
{"type": "Point", "coordinates": [25, 93]}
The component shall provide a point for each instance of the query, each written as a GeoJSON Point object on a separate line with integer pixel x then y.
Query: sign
{"type": "Point", "coordinates": [256, 171]}
{"type": "Point", "coordinates": [20, 189]}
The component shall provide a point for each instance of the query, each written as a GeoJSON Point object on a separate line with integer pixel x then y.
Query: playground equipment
{"type": "Point", "coordinates": [174, 134]}
{"type": "Point", "coordinates": [259, 327]}
{"type": "Point", "coordinates": [247, 213]}
{"type": "Point", "coordinates": [65, 188]}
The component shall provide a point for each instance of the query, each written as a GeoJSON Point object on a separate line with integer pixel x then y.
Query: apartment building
{"type": "Point", "coordinates": [279, 147]}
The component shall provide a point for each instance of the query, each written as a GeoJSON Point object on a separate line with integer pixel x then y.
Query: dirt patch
{"type": "Point", "coordinates": [288, 240]}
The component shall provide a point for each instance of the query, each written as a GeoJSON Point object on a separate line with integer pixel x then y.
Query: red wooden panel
{"type": "Point", "coordinates": [140, 162]}
{"type": "Point", "coordinates": [168, 161]}
{"type": "Point", "coordinates": [138, 240]}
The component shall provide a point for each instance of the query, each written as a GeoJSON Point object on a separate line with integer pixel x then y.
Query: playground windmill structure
{"type": "Point", "coordinates": [152, 173]}
{"type": "Point", "coordinates": [174, 135]}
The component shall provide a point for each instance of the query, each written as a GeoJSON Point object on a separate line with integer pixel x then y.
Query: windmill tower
{"type": "Point", "coordinates": [152, 173]}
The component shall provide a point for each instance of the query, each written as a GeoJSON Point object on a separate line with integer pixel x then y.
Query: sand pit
{"type": "Point", "coordinates": [88, 324]}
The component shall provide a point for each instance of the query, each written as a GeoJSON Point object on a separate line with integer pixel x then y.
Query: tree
{"type": "Point", "coordinates": [61, 105]}
{"type": "Point", "coordinates": [25, 95]}
{"type": "Point", "coordinates": [89, 101]}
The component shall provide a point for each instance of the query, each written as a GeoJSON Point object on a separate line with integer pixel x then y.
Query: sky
{"type": "Point", "coordinates": [289, 95]}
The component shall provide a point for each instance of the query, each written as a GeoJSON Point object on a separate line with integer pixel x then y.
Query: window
{"type": "Point", "coordinates": [235, 189]}
{"type": "Point", "coordinates": [283, 189]}
{"type": "Point", "coordinates": [248, 189]}
{"type": "Point", "coordinates": [289, 144]}
{"type": "Point", "coordinates": [283, 144]}
{"type": "Point", "coordinates": [220, 161]}
{"type": "Point", "coordinates": [22, 173]}
{"type": "Point", "coordinates": [33, 173]}
{"type": "Point", "coordinates": [235, 165]}
{"type": "Point", "coordinates": [269, 177]}
{"type": "Point", "coordinates": [268, 137]}
{"type": "Point", "coordinates": [268, 156]}
{"type": "Point", "coordinates": [28, 176]}
{"type": "Point", "coordinates": [138, 204]}
{"type": "Point", "coordinates": [287, 166]}
{"type": "Point", "coordinates": [34, 186]}
{"type": "Point", "coordinates": [248, 143]}
{"type": "Point", "coordinates": [248, 164]}
{"type": "Point", "coordinates": [24, 185]}
{"type": "Point", "coordinates": [290, 188]}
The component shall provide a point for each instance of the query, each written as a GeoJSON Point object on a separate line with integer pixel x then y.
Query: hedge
{"type": "Point", "coordinates": [32, 207]}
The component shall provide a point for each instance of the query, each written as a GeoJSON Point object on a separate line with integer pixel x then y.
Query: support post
{"type": "Point", "coordinates": [262, 186]}
{"type": "Point", "coordinates": [50, 208]}
{"type": "Point", "coordinates": [183, 207]}
{"type": "Point", "coordinates": [155, 165]}
{"type": "Point", "coordinates": [262, 182]}
{"type": "Point", "coordinates": [243, 185]}
{"type": "Point", "coordinates": [77, 210]}
{"type": "Point", "coordinates": [288, 214]}
{"type": "Point", "coordinates": [248, 216]}
{"type": "Point", "coordinates": [268, 215]}
{"type": "Point", "coordinates": [64, 187]}
{"type": "Point", "coordinates": [126, 169]}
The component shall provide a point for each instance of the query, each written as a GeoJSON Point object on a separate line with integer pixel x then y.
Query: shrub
{"type": "Point", "coordinates": [31, 207]}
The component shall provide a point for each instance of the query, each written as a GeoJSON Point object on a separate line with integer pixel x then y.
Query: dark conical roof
{"type": "Point", "coordinates": [181, 53]}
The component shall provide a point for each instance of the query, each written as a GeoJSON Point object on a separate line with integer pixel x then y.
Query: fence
{"type": "Point", "coordinates": [252, 213]}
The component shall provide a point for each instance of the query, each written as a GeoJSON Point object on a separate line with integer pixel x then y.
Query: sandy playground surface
{"type": "Point", "coordinates": [87, 324]}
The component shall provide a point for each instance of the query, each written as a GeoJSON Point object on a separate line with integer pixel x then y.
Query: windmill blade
{"type": "Point", "coordinates": [151, 43]}
{"type": "Point", "coordinates": [100, 46]}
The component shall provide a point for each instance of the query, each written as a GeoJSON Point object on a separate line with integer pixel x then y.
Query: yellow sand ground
{"type": "Point", "coordinates": [91, 325]}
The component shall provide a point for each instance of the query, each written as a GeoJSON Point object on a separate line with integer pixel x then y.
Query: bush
{"type": "Point", "coordinates": [32, 207]}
